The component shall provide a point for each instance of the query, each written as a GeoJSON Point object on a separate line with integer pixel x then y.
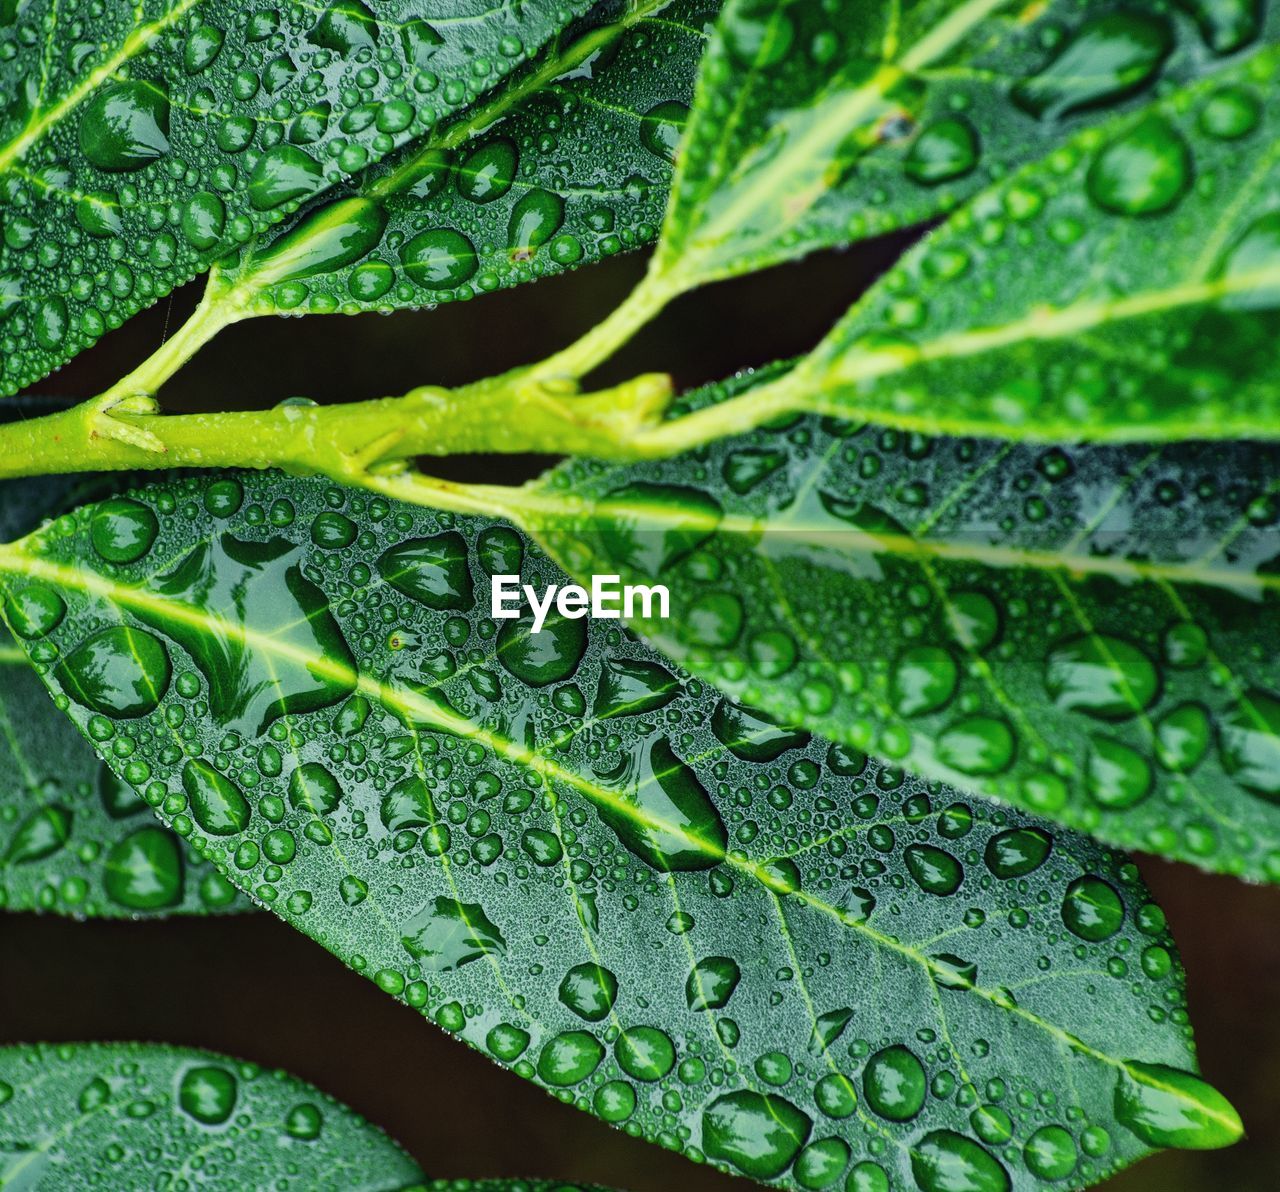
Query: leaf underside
{"type": "Point", "coordinates": [139, 1116]}
{"type": "Point", "coordinates": [815, 125]}
{"type": "Point", "coordinates": [73, 838]}
{"type": "Point", "coordinates": [738, 940]}
{"type": "Point", "coordinates": [1083, 632]}
{"type": "Point", "coordinates": [576, 173]}
{"type": "Point", "coordinates": [141, 143]}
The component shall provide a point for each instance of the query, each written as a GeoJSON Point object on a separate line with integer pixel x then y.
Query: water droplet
{"type": "Point", "coordinates": [203, 219]}
{"type": "Point", "coordinates": [759, 1133]}
{"type": "Point", "coordinates": [661, 128]}
{"type": "Point", "coordinates": [534, 220]}
{"type": "Point", "coordinates": [1249, 741]}
{"type": "Point", "coordinates": [40, 835]}
{"type": "Point", "coordinates": [1110, 56]}
{"type": "Point", "coordinates": [1117, 776]}
{"type": "Point", "coordinates": [329, 238]}
{"type": "Point", "coordinates": [34, 610]}
{"type": "Point", "coordinates": [122, 530]}
{"type": "Point", "coordinates": [126, 126]}
{"type": "Point", "coordinates": [1252, 262]}
{"type": "Point", "coordinates": [345, 27]}
{"type": "Point", "coordinates": [667, 818]}
{"type": "Point", "coordinates": [119, 672]}
{"type": "Point", "coordinates": [548, 656]}
{"type": "Point", "coordinates": [408, 805]}
{"type": "Point", "coordinates": [1050, 1153]}
{"type": "Point", "coordinates": [631, 687]}
{"type": "Point", "coordinates": [944, 150]}
{"type": "Point", "coordinates": [1144, 171]}
{"type": "Point", "coordinates": [1103, 676]}
{"type": "Point", "coordinates": [1182, 737]}
{"type": "Point", "coordinates": [935, 871]}
{"type": "Point", "coordinates": [208, 1094]}
{"type": "Point", "coordinates": [1230, 113]}
{"type": "Point", "coordinates": [924, 679]}
{"type": "Point", "coordinates": [977, 745]}
{"type": "Point", "coordinates": [283, 173]}
{"type": "Point", "coordinates": [1225, 25]}
{"type": "Point", "coordinates": [219, 806]}
{"type": "Point", "coordinates": [589, 990]}
{"type": "Point", "coordinates": [1017, 852]}
{"type": "Point", "coordinates": [1167, 1107]}
{"type": "Point", "coordinates": [944, 1161]}
{"type": "Point", "coordinates": [439, 259]}
{"type": "Point", "coordinates": [488, 172]}
{"type": "Point", "coordinates": [751, 735]}
{"type": "Point", "coordinates": [144, 870]}
{"type": "Point", "coordinates": [711, 983]}
{"type": "Point", "coordinates": [569, 1057]}
{"type": "Point", "coordinates": [1092, 909]}
{"type": "Point", "coordinates": [446, 934]}
{"type": "Point", "coordinates": [645, 1053]}
{"type": "Point", "coordinates": [894, 1084]}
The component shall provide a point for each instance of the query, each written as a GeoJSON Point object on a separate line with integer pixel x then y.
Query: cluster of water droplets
{"type": "Point", "coordinates": [576, 173]}
{"type": "Point", "coordinates": [933, 602]}
{"type": "Point", "coordinates": [706, 927]}
{"type": "Point", "coordinates": [127, 1116]}
{"type": "Point", "coordinates": [114, 189]}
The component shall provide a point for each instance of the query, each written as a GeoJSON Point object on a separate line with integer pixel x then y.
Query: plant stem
{"type": "Point", "coordinates": [345, 441]}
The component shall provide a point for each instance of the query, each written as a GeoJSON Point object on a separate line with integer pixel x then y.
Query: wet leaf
{"type": "Point", "coordinates": [1124, 288]}
{"type": "Point", "coordinates": [1082, 632]}
{"type": "Point", "coordinates": [143, 1116]}
{"type": "Point", "coordinates": [74, 839]}
{"type": "Point", "coordinates": [140, 143]}
{"type": "Point", "coordinates": [730, 937]}
{"type": "Point", "coordinates": [815, 125]}
{"type": "Point", "coordinates": [574, 172]}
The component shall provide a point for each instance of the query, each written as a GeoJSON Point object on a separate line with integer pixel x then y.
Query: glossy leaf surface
{"type": "Point", "coordinates": [145, 1116]}
{"type": "Point", "coordinates": [139, 143]}
{"type": "Point", "coordinates": [1125, 288]}
{"type": "Point", "coordinates": [817, 124]}
{"type": "Point", "coordinates": [577, 172]}
{"type": "Point", "coordinates": [729, 936]}
{"type": "Point", "coordinates": [73, 838]}
{"type": "Point", "coordinates": [1082, 632]}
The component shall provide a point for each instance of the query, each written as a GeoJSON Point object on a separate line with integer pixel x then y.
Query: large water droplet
{"type": "Point", "coordinates": [935, 871]}
{"type": "Point", "coordinates": [1225, 25]}
{"type": "Point", "coordinates": [126, 126]}
{"type": "Point", "coordinates": [944, 1161]}
{"type": "Point", "coordinates": [432, 570]}
{"type": "Point", "coordinates": [329, 238]}
{"type": "Point", "coordinates": [1017, 852]}
{"type": "Point", "coordinates": [548, 656]}
{"type": "Point", "coordinates": [1092, 909]}
{"type": "Point", "coordinates": [632, 686]}
{"type": "Point", "coordinates": [944, 150]}
{"type": "Point", "coordinates": [711, 983]}
{"type": "Point", "coordinates": [1144, 171]}
{"type": "Point", "coordinates": [218, 805]}
{"type": "Point", "coordinates": [144, 870]}
{"type": "Point", "coordinates": [1249, 741]}
{"type": "Point", "coordinates": [122, 530]}
{"type": "Point", "coordinates": [759, 1133]}
{"type": "Point", "coordinates": [283, 173]}
{"type": "Point", "coordinates": [569, 1057]}
{"type": "Point", "coordinates": [1103, 676]}
{"type": "Point", "coordinates": [40, 835]}
{"type": "Point", "coordinates": [345, 26]}
{"type": "Point", "coordinates": [894, 1084]}
{"type": "Point", "coordinates": [208, 1094]}
{"type": "Point", "coordinates": [446, 934]}
{"type": "Point", "coordinates": [1110, 56]}
{"type": "Point", "coordinates": [439, 259]}
{"type": "Point", "coordinates": [661, 128]}
{"type": "Point", "coordinates": [923, 680]}
{"type": "Point", "coordinates": [1167, 1107]}
{"type": "Point", "coordinates": [119, 672]}
{"type": "Point", "coordinates": [753, 736]}
{"type": "Point", "coordinates": [666, 816]}
{"type": "Point", "coordinates": [589, 990]}
{"type": "Point", "coordinates": [488, 172]}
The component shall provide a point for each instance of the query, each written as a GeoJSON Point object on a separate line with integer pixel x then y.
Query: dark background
{"type": "Point", "coordinates": [253, 987]}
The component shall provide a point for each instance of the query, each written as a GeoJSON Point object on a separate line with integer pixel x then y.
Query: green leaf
{"type": "Point", "coordinates": [140, 143]}
{"type": "Point", "coordinates": [728, 935]}
{"type": "Point", "coordinates": [144, 1116]}
{"type": "Point", "coordinates": [815, 125]}
{"type": "Point", "coordinates": [575, 173]}
{"type": "Point", "coordinates": [1124, 288]}
{"type": "Point", "coordinates": [1082, 632]}
{"type": "Point", "coordinates": [73, 838]}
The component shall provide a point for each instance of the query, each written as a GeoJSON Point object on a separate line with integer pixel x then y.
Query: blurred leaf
{"type": "Point", "coordinates": [1124, 288]}
{"type": "Point", "coordinates": [816, 125]}
{"type": "Point", "coordinates": [142, 1116]}
{"type": "Point", "coordinates": [139, 143]}
{"type": "Point", "coordinates": [729, 935]}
